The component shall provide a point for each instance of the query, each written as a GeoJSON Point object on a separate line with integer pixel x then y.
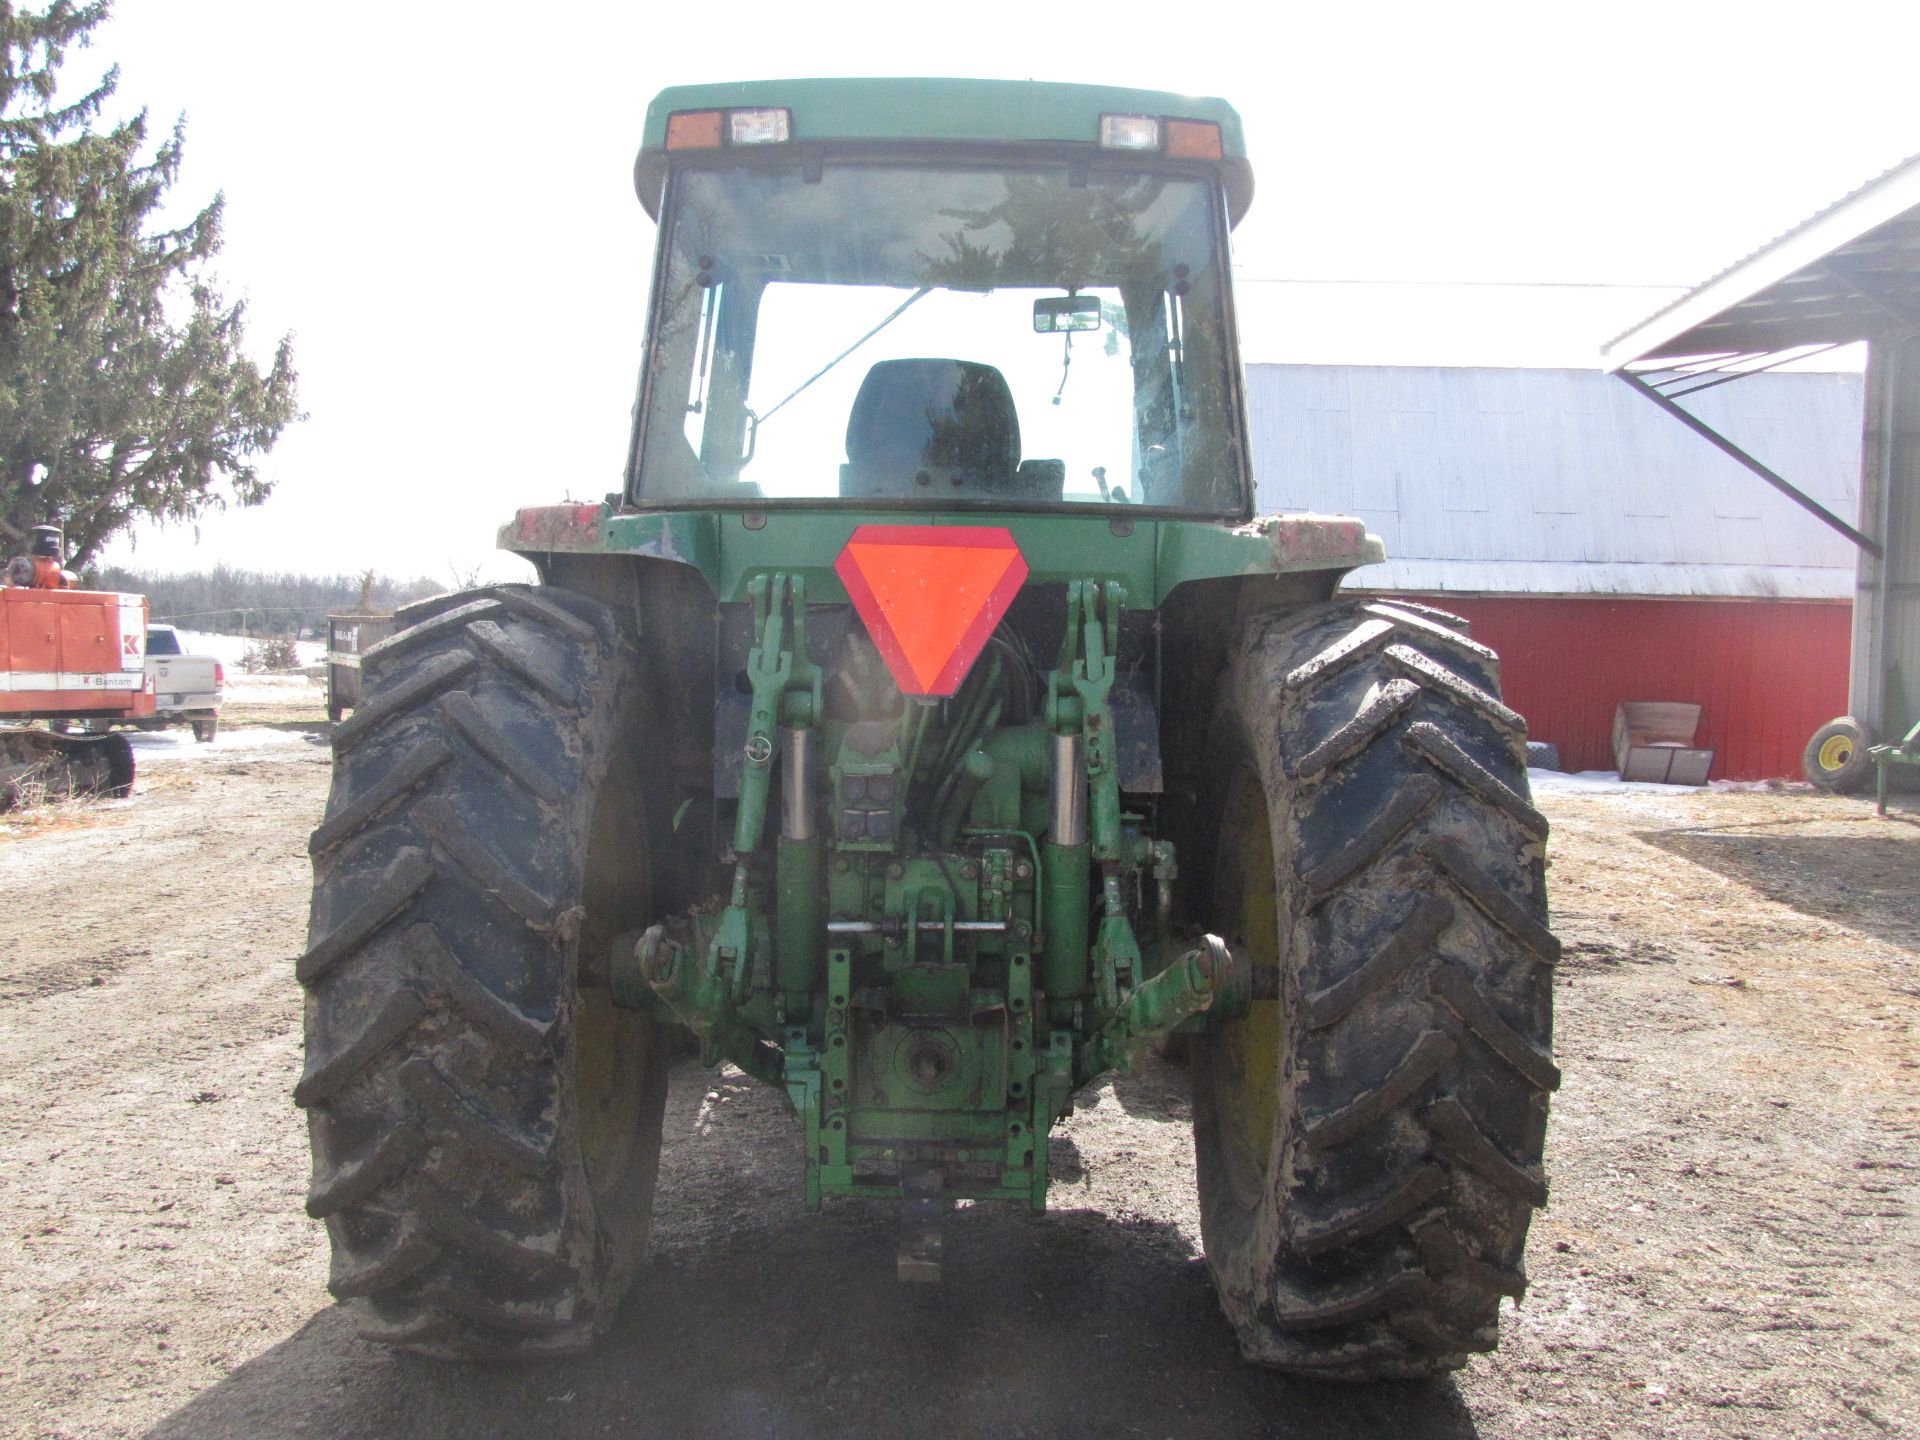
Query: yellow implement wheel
{"type": "Point", "coordinates": [1836, 757]}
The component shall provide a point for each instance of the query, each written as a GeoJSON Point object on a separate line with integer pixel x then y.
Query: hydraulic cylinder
{"type": "Point", "coordinates": [1064, 902]}
{"type": "Point", "coordinates": [800, 876]}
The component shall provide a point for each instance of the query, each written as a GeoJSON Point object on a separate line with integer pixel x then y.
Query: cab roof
{"type": "Point", "coordinates": [965, 111]}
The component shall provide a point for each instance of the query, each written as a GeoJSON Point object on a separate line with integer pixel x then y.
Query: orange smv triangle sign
{"type": "Point", "coordinates": [931, 595]}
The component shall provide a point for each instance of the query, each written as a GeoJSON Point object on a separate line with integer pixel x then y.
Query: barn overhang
{"type": "Point", "coordinates": [1848, 275]}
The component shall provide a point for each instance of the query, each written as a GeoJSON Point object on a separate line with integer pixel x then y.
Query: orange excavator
{"type": "Point", "coordinates": [67, 656]}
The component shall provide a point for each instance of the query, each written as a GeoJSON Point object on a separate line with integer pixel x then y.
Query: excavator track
{"type": "Point", "coordinates": [39, 765]}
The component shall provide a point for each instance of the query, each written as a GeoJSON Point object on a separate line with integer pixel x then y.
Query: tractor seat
{"type": "Point", "coordinates": [927, 429]}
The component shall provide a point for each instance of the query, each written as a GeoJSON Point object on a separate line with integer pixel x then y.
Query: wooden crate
{"type": "Point", "coordinates": [1653, 740]}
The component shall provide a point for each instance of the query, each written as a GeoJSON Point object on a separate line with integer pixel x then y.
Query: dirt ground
{"type": "Point", "coordinates": [1731, 1247]}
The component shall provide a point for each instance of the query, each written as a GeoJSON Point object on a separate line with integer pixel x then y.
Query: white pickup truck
{"type": "Point", "coordinates": [186, 688]}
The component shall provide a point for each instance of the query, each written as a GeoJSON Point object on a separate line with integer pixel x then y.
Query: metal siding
{"type": "Point", "coordinates": [1562, 481]}
{"type": "Point", "coordinates": [1765, 674]}
{"type": "Point", "coordinates": [1576, 426]}
{"type": "Point", "coordinates": [1491, 577]}
{"type": "Point", "coordinates": [1328, 454]}
{"type": "Point", "coordinates": [1886, 665]}
{"type": "Point", "coordinates": [1390, 420]}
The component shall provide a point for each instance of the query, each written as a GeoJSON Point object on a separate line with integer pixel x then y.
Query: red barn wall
{"type": "Point", "coordinates": [1766, 673]}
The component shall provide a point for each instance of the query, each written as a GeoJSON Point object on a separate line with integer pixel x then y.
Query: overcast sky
{"type": "Point", "coordinates": [436, 198]}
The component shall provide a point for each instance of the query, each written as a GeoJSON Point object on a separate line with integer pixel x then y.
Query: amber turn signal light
{"type": "Point", "coordinates": [695, 130]}
{"type": "Point", "coordinates": [1193, 139]}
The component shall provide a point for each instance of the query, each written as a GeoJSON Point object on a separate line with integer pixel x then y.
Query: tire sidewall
{"type": "Point", "coordinates": [1240, 1237]}
{"type": "Point", "coordinates": [1859, 766]}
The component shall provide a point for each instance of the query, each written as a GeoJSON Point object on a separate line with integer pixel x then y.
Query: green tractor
{"type": "Point", "coordinates": [927, 727]}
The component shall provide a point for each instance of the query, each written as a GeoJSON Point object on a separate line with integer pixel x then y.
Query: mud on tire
{"type": "Point", "coordinates": [1370, 1139]}
{"type": "Point", "coordinates": [485, 1132]}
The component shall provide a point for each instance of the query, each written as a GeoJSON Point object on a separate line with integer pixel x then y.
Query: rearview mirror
{"type": "Point", "coordinates": [1054, 313]}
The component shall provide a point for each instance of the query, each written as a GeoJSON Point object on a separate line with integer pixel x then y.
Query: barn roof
{"type": "Point", "coordinates": [1562, 482]}
{"type": "Point", "coordinates": [1832, 279]}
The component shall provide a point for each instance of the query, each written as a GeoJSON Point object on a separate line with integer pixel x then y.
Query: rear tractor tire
{"type": "Point", "coordinates": [1369, 1138]}
{"type": "Point", "coordinates": [485, 1127]}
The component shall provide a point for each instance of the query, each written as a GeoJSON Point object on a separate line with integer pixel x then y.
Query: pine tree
{"type": "Point", "coordinates": [124, 389]}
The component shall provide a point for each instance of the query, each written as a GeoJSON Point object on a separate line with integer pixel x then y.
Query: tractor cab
{"type": "Point", "coordinates": [863, 302]}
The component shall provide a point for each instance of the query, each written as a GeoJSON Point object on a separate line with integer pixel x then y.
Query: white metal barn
{"type": "Point", "coordinates": [1608, 553]}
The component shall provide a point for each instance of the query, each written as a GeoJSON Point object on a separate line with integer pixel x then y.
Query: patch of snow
{"type": "Point", "coordinates": [281, 683]}
{"type": "Point", "coordinates": [1608, 782]}
{"type": "Point", "coordinates": [1599, 782]}
{"type": "Point", "coordinates": [231, 650]}
{"type": "Point", "coordinates": [161, 746]}
{"type": "Point", "coordinates": [243, 688]}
